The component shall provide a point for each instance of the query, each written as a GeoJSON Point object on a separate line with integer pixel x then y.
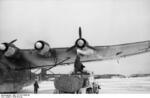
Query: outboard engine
{"type": "Point", "coordinates": [9, 50]}
{"type": "Point", "coordinates": [43, 48]}
{"type": "Point", "coordinates": [81, 45]}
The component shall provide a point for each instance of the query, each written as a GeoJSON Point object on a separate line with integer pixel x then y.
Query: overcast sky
{"type": "Point", "coordinates": [103, 22]}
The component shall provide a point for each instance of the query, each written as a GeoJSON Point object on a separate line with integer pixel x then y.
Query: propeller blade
{"type": "Point", "coordinates": [91, 47]}
{"type": "Point", "coordinates": [13, 41]}
{"type": "Point", "coordinates": [80, 32]}
{"type": "Point", "coordinates": [71, 48]}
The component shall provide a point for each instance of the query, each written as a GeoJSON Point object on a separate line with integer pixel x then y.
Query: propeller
{"type": "Point", "coordinates": [39, 45]}
{"type": "Point", "coordinates": [4, 46]}
{"type": "Point", "coordinates": [90, 47]}
{"type": "Point", "coordinates": [80, 42]}
{"type": "Point", "coordinates": [71, 48]}
{"type": "Point", "coordinates": [77, 41]}
{"type": "Point", "coordinates": [80, 33]}
{"type": "Point", "coordinates": [12, 41]}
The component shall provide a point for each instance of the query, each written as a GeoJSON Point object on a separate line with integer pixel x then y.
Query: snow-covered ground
{"type": "Point", "coordinates": [44, 87]}
{"type": "Point", "coordinates": [115, 85]}
{"type": "Point", "coordinates": [125, 85]}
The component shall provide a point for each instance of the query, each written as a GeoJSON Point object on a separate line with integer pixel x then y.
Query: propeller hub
{"type": "Point", "coordinates": [80, 43]}
{"type": "Point", "coordinates": [38, 45]}
{"type": "Point", "coordinates": [2, 47]}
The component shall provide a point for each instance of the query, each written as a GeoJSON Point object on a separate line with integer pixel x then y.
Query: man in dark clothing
{"type": "Point", "coordinates": [96, 88]}
{"type": "Point", "coordinates": [36, 86]}
{"type": "Point", "coordinates": [78, 65]}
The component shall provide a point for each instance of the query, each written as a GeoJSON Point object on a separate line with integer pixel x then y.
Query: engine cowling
{"type": "Point", "coordinates": [3, 47]}
{"type": "Point", "coordinates": [43, 48]}
{"type": "Point", "coordinates": [8, 50]}
{"type": "Point", "coordinates": [80, 43]}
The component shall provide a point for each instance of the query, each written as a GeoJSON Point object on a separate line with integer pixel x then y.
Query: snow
{"type": "Point", "coordinates": [115, 85]}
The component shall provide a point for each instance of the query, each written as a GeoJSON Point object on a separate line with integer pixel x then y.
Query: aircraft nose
{"type": "Point", "coordinates": [2, 47]}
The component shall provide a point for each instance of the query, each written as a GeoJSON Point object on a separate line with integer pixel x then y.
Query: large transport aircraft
{"type": "Point", "coordinates": [15, 63]}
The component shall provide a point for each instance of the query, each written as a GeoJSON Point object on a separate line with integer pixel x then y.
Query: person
{"type": "Point", "coordinates": [91, 79]}
{"type": "Point", "coordinates": [89, 90]}
{"type": "Point", "coordinates": [36, 87]}
{"type": "Point", "coordinates": [78, 65]}
{"type": "Point", "coordinates": [96, 88]}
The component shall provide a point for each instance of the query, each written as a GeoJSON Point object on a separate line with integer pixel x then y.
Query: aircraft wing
{"type": "Point", "coordinates": [32, 58]}
{"type": "Point", "coordinates": [99, 53]}
{"type": "Point", "coordinates": [122, 50]}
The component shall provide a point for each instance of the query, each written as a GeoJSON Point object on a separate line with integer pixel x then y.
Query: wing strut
{"type": "Point", "coordinates": [44, 65]}
{"type": "Point", "coordinates": [59, 63]}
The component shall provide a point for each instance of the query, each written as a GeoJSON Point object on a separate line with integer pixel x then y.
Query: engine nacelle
{"type": "Point", "coordinates": [81, 43]}
{"type": "Point", "coordinates": [8, 50]}
{"type": "Point", "coordinates": [43, 48]}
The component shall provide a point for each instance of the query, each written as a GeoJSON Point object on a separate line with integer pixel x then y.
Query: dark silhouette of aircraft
{"type": "Point", "coordinates": [15, 63]}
